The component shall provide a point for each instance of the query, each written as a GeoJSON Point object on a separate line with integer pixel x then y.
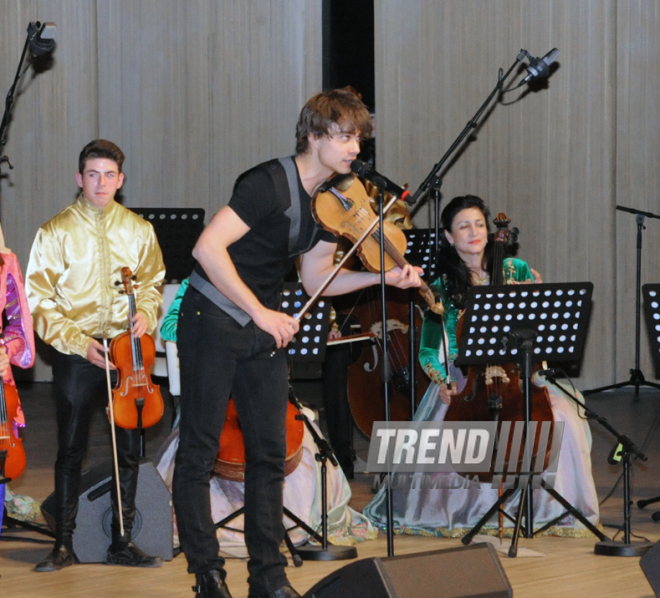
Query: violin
{"type": "Point", "coordinates": [137, 401]}
{"type": "Point", "coordinates": [230, 460]}
{"type": "Point", "coordinates": [343, 207]}
{"type": "Point", "coordinates": [494, 392]}
{"type": "Point", "coordinates": [12, 453]}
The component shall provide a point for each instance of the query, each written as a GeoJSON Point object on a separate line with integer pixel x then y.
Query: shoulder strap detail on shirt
{"type": "Point", "coordinates": [293, 211]}
{"type": "Point", "coordinates": [212, 294]}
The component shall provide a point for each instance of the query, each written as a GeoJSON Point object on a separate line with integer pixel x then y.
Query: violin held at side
{"type": "Point", "coordinates": [137, 401]}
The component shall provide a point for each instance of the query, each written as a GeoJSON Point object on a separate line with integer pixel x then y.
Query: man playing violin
{"type": "Point", "coordinates": [229, 325]}
{"type": "Point", "coordinates": [75, 265]}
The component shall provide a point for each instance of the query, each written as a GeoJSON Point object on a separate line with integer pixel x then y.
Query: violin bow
{"type": "Point", "coordinates": [112, 432]}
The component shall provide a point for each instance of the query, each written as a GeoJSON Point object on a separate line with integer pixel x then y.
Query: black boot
{"type": "Point", "coordinates": [126, 554]}
{"type": "Point", "coordinates": [285, 591]}
{"type": "Point", "coordinates": [211, 585]}
{"type": "Point", "coordinates": [60, 556]}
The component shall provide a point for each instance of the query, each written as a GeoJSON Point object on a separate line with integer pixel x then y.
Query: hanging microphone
{"type": "Point", "coordinates": [384, 184]}
{"type": "Point", "coordinates": [540, 67]}
{"type": "Point", "coordinates": [41, 37]}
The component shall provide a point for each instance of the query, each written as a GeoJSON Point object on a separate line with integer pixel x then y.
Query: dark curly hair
{"type": "Point", "coordinates": [455, 274]}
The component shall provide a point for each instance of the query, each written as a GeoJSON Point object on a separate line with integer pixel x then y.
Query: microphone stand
{"type": "Point", "coordinates": [607, 547]}
{"type": "Point", "coordinates": [636, 375]}
{"type": "Point", "coordinates": [432, 179]}
{"type": "Point", "coordinates": [9, 101]}
{"type": "Point", "coordinates": [386, 365]}
{"type": "Point", "coordinates": [33, 32]}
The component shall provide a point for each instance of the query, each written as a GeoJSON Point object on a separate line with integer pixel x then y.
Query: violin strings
{"type": "Point", "coordinates": [138, 363]}
{"type": "Point", "coordinates": [4, 423]}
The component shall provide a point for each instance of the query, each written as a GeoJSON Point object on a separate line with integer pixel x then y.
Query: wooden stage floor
{"type": "Point", "coordinates": [567, 568]}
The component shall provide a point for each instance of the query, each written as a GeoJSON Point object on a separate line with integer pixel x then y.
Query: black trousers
{"type": "Point", "coordinates": [218, 357]}
{"type": "Point", "coordinates": [80, 387]}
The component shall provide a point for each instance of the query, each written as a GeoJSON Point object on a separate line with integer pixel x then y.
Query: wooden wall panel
{"type": "Point", "coordinates": [54, 114]}
{"type": "Point", "coordinates": [637, 178]}
{"type": "Point", "coordinates": [196, 91]}
{"type": "Point", "coordinates": [193, 91]}
{"type": "Point", "coordinates": [545, 156]}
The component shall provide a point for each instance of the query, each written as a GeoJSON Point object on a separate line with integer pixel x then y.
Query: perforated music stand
{"type": "Point", "coordinates": [523, 324]}
{"type": "Point", "coordinates": [419, 252]}
{"type": "Point", "coordinates": [309, 346]}
{"type": "Point", "coordinates": [310, 342]}
{"type": "Point", "coordinates": [177, 231]}
{"type": "Point", "coordinates": [651, 293]}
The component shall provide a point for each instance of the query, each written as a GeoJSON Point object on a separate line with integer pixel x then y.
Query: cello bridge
{"type": "Point", "coordinates": [495, 371]}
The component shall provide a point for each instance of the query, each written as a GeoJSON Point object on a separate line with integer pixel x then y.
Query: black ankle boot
{"type": "Point", "coordinates": [60, 556]}
{"type": "Point", "coordinates": [129, 555]}
{"type": "Point", "coordinates": [211, 585]}
{"type": "Point", "coordinates": [284, 592]}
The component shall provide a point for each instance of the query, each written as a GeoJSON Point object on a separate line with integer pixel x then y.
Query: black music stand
{"type": "Point", "coordinates": [309, 346]}
{"type": "Point", "coordinates": [421, 249]}
{"type": "Point", "coordinates": [310, 342]}
{"type": "Point", "coordinates": [636, 376]}
{"type": "Point", "coordinates": [177, 231]}
{"type": "Point", "coordinates": [419, 252]}
{"type": "Point", "coordinates": [522, 324]}
{"type": "Point", "coordinates": [651, 293]}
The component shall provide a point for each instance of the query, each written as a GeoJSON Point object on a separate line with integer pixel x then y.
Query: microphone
{"type": "Point", "coordinates": [41, 37]}
{"type": "Point", "coordinates": [384, 184]}
{"type": "Point", "coordinates": [540, 67]}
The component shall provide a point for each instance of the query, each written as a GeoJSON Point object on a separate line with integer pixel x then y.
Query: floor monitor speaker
{"type": "Point", "coordinates": [152, 527]}
{"type": "Point", "coordinates": [464, 572]}
{"type": "Point", "coordinates": [650, 564]}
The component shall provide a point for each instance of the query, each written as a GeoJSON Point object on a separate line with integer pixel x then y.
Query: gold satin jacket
{"type": "Point", "coordinates": [74, 274]}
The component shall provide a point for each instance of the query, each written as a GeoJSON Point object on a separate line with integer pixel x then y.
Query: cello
{"type": "Point", "coordinates": [137, 401]}
{"type": "Point", "coordinates": [494, 392]}
{"type": "Point", "coordinates": [230, 459]}
{"type": "Point", "coordinates": [365, 381]}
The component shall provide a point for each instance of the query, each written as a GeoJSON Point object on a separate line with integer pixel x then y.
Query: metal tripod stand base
{"type": "Point", "coordinates": [614, 548]}
{"type": "Point", "coordinates": [331, 553]}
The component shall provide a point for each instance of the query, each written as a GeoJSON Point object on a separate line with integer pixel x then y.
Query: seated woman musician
{"type": "Point", "coordinates": [448, 508]}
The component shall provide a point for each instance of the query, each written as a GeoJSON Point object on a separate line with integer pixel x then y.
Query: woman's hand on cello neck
{"type": "Point", "coordinates": [446, 393]}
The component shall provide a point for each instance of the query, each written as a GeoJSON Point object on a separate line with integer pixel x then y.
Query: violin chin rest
{"type": "Point", "coordinates": [341, 182]}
